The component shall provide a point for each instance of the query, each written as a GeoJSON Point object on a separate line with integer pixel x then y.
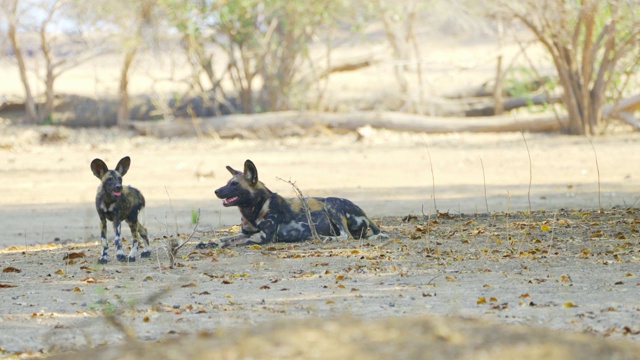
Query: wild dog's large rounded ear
{"type": "Point", "coordinates": [250, 172]}
{"type": "Point", "coordinates": [99, 168]}
{"type": "Point", "coordinates": [123, 165]}
{"type": "Point", "coordinates": [233, 171]}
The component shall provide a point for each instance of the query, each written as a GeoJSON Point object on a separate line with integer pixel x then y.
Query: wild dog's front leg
{"type": "Point", "coordinates": [120, 256]}
{"type": "Point", "coordinates": [268, 229]}
{"type": "Point", "coordinates": [231, 240]}
{"type": "Point", "coordinates": [265, 233]}
{"type": "Point", "coordinates": [103, 237]}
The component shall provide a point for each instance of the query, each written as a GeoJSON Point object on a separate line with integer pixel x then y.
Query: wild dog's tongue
{"type": "Point", "coordinates": [116, 193]}
{"type": "Point", "coordinates": [228, 200]}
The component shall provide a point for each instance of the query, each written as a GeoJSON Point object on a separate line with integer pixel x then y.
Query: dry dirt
{"type": "Point", "coordinates": [567, 266]}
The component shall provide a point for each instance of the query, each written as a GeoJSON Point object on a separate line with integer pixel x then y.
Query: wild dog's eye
{"type": "Point", "coordinates": [234, 183]}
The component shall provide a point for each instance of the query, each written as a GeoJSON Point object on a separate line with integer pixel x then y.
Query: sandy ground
{"type": "Point", "coordinates": [60, 301]}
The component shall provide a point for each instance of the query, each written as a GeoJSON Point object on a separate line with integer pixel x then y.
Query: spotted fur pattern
{"type": "Point", "coordinates": [268, 217]}
{"type": "Point", "coordinates": [118, 203]}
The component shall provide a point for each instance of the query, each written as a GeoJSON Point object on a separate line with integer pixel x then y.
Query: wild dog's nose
{"type": "Point", "coordinates": [217, 191]}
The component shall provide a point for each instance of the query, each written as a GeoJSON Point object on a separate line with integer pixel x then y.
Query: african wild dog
{"type": "Point", "coordinates": [268, 217]}
{"type": "Point", "coordinates": [117, 203]}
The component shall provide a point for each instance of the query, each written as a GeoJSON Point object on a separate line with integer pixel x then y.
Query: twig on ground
{"type": "Point", "coordinates": [530, 169]}
{"type": "Point", "coordinates": [598, 170]}
{"type": "Point", "coordinates": [174, 247]}
{"type": "Point", "coordinates": [433, 278]}
{"type": "Point", "coordinates": [175, 218]}
{"type": "Point", "coordinates": [484, 183]}
{"type": "Point", "coordinates": [433, 178]}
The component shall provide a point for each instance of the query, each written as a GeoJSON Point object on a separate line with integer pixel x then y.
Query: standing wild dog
{"type": "Point", "coordinates": [268, 217]}
{"type": "Point", "coordinates": [117, 203]}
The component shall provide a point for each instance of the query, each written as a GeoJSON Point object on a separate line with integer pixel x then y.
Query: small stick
{"type": "Point", "coordinates": [303, 199]}
{"type": "Point", "coordinates": [597, 169]}
{"type": "Point", "coordinates": [484, 182]}
{"type": "Point", "coordinates": [173, 250]}
{"type": "Point", "coordinates": [530, 171]}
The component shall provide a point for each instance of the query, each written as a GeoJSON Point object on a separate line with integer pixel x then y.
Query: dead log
{"type": "Point", "coordinates": [629, 104]}
{"type": "Point", "coordinates": [486, 89]}
{"type": "Point", "coordinates": [277, 124]}
{"type": "Point", "coordinates": [350, 65]}
{"type": "Point", "coordinates": [623, 110]}
{"type": "Point", "coordinates": [514, 103]}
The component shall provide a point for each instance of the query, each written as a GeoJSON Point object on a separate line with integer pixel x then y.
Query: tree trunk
{"type": "Point", "coordinates": [30, 104]}
{"type": "Point", "coordinates": [123, 89]}
{"type": "Point", "coordinates": [497, 90]}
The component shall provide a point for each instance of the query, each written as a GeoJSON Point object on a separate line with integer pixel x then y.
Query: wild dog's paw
{"type": "Point", "coordinates": [102, 260]}
{"type": "Point", "coordinates": [132, 258]}
{"type": "Point", "coordinates": [329, 238]}
{"type": "Point", "coordinates": [145, 254]}
{"type": "Point", "coordinates": [209, 245]}
{"type": "Point", "coordinates": [379, 236]}
{"type": "Point", "coordinates": [121, 257]}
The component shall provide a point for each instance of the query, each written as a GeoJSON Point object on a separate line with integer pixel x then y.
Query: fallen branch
{"type": "Point", "coordinates": [287, 123]}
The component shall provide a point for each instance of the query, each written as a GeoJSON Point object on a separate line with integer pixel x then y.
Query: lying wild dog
{"type": "Point", "coordinates": [117, 203]}
{"type": "Point", "coordinates": [268, 217]}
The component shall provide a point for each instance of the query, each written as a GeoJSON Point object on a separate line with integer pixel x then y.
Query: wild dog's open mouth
{"type": "Point", "coordinates": [229, 201]}
{"type": "Point", "coordinates": [116, 193]}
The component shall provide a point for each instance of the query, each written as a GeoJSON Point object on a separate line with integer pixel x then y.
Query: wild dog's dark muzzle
{"type": "Point", "coordinates": [228, 199]}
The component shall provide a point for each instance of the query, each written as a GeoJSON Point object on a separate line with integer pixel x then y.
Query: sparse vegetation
{"type": "Point", "coordinates": [593, 45]}
{"type": "Point", "coordinates": [248, 56]}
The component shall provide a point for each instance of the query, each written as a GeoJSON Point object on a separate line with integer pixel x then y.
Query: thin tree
{"type": "Point", "coordinates": [59, 49]}
{"type": "Point", "coordinates": [10, 10]}
{"type": "Point", "coordinates": [129, 23]}
{"type": "Point", "coordinates": [589, 41]}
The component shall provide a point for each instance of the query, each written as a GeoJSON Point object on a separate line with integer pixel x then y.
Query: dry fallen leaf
{"type": "Point", "coordinates": [450, 278]}
{"type": "Point", "coordinates": [445, 215]}
{"type": "Point", "coordinates": [481, 300]}
{"type": "Point", "coordinates": [74, 255]}
{"type": "Point", "coordinates": [9, 269]}
{"type": "Point", "coordinates": [569, 304]}
{"type": "Point", "coordinates": [620, 236]}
